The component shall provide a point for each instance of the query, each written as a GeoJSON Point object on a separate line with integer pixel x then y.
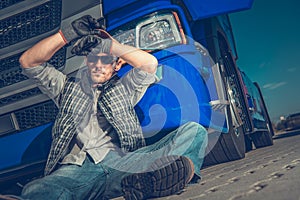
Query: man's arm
{"type": "Point", "coordinates": [49, 80]}
{"type": "Point", "coordinates": [136, 82]}
{"type": "Point", "coordinates": [45, 49]}
{"type": "Point", "coordinates": [42, 51]}
{"type": "Point", "coordinates": [135, 57]}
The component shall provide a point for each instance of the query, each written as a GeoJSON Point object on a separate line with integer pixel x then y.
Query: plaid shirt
{"type": "Point", "coordinates": [114, 103]}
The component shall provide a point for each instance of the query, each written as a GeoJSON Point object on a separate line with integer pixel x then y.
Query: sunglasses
{"type": "Point", "coordinates": [104, 59]}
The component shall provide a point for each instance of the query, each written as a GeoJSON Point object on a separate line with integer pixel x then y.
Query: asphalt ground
{"type": "Point", "coordinates": [269, 173]}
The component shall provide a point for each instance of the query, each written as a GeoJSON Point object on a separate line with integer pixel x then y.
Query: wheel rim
{"type": "Point", "coordinates": [236, 112]}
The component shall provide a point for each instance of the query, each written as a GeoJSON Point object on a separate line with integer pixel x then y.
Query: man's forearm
{"type": "Point", "coordinates": [135, 57]}
{"type": "Point", "coordinates": [42, 51]}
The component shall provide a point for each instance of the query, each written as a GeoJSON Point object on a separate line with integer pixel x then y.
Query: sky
{"type": "Point", "coordinates": [267, 38]}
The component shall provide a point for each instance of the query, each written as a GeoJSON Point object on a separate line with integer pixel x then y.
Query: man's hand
{"type": "Point", "coordinates": [84, 45]}
{"type": "Point", "coordinates": [83, 26]}
{"type": "Point", "coordinates": [97, 43]}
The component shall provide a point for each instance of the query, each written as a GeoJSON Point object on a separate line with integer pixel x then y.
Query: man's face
{"type": "Point", "coordinates": [101, 67]}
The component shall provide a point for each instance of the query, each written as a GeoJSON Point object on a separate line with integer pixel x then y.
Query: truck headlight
{"type": "Point", "coordinates": [156, 31]}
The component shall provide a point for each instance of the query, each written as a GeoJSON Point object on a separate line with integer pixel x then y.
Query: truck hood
{"type": "Point", "coordinates": [198, 9]}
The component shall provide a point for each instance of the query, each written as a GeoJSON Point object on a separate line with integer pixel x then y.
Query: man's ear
{"type": "Point", "coordinates": [119, 64]}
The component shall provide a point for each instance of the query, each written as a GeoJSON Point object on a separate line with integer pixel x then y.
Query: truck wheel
{"type": "Point", "coordinates": [229, 146]}
{"type": "Point", "coordinates": [263, 138]}
{"type": "Point", "coordinates": [225, 147]}
{"type": "Point", "coordinates": [248, 143]}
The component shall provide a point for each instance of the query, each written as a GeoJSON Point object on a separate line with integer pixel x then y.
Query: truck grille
{"type": "Point", "coordinates": [19, 96]}
{"type": "Point", "coordinates": [10, 72]}
{"type": "Point", "coordinates": [31, 23]}
{"type": "Point", "coordinates": [36, 115]}
{"type": "Point", "coordinates": [7, 3]}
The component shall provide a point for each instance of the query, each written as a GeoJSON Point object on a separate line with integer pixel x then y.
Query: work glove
{"type": "Point", "coordinates": [100, 42]}
{"type": "Point", "coordinates": [82, 26]}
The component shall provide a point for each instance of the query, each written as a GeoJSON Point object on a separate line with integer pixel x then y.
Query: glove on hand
{"type": "Point", "coordinates": [82, 26]}
{"type": "Point", "coordinates": [91, 43]}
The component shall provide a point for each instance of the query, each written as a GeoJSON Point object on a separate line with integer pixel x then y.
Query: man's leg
{"type": "Point", "coordinates": [68, 182]}
{"type": "Point", "coordinates": [165, 176]}
{"type": "Point", "coordinates": [188, 141]}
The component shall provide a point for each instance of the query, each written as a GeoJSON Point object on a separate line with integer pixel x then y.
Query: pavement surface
{"type": "Point", "coordinates": [270, 173]}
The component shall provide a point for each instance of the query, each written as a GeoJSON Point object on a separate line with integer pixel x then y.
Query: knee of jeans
{"type": "Point", "coordinates": [195, 126]}
{"type": "Point", "coordinates": [35, 185]}
{"type": "Point", "coordinates": [39, 189]}
{"type": "Point", "coordinates": [199, 132]}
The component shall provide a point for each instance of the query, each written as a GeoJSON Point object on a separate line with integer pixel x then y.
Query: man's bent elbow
{"type": "Point", "coordinates": [26, 62]}
{"type": "Point", "coordinates": [153, 66]}
{"type": "Point", "coordinates": [23, 61]}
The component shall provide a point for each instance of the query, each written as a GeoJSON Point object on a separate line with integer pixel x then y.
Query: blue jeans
{"type": "Point", "coordinates": [103, 180]}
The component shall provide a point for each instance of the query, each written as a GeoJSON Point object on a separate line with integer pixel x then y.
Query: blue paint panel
{"type": "Point", "coordinates": [226, 26]}
{"type": "Point", "coordinates": [254, 99]}
{"type": "Point", "coordinates": [198, 9]}
{"type": "Point", "coordinates": [109, 6]}
{"type": "Point", "coordinates": [112, 6]}
{"type": "Point", "coordinates": [134, 11]}
{"type": "Point", "coordinates": [182, 95]}
{"type": "Point", "coordinates": [14, 147]}
{"type": "Point", "coordinates": [208, 8]}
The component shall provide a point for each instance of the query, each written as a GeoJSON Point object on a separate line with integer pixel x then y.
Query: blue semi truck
{"type": "Point", "coordinates": [200, 80]}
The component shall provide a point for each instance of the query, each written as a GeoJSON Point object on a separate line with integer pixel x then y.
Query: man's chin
{"type": "Point", "coordinates": [98, 79]}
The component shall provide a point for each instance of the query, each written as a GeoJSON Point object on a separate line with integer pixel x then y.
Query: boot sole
{"type": "Point", "coordinates": [163, 181]}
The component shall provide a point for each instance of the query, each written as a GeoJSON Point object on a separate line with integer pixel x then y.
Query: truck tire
{"type": "Point", "coordinates": [224, 147]}
{"type": "Point", "coordinates": [248, 143]}
{"type": "Point", "coordinates": [263, 138]}
{"type": "Point", "coordinates": [229, 146]}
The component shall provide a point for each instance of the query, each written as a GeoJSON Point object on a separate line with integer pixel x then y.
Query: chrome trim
{"type": "Point", "coordinates": [219, 104]}
{"type": "Point", "coordinates": [16, 88]}
{"type": "Point", "coordinates": [23, 103]}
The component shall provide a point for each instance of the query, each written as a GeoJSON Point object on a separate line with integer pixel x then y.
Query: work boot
{"type": "Point", "coordinates": [166, 176]}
